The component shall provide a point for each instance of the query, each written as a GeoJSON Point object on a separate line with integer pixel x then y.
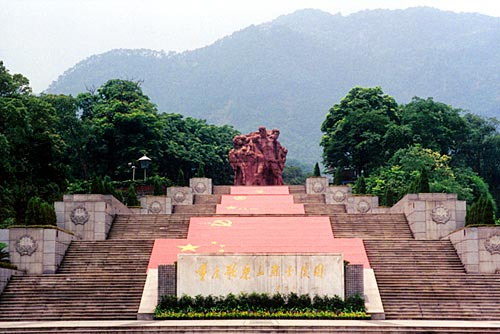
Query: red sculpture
{"type": "Point", "coordinates": [258, 158]}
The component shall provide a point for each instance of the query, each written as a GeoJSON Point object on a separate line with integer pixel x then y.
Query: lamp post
{"type": "Point", "coordinates": [133, 167]}
{"type": "Point", "coordinates": [145, 163]}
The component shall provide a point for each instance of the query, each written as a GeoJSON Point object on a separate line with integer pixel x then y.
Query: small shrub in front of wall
{"type": "Point", "coordinates": [39, 212]}
{"type": "Point", "coordinates": [252, 306]}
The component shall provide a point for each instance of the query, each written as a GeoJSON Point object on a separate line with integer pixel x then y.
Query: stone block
{"type": "Point", "coordinates": [180, 195]}
{"type": "Point", "coordinates": [354, 282]}
{"type": "Point", "coordinates": [316, 185]}
{"type": "Point", "coordinates": [100, 206]}
{"type": "Point", "coordinates": [312, 274]}
{"type": "Point", "coordinates": [4, 235]}
{"type": "Point", "coordinates": [201, 185]}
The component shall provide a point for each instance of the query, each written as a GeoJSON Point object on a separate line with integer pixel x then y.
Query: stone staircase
{"type": "Point", "coordinates": [370, 226]}
{"type": "Point", "coordinates": [425, 280]}
{"type": "Point", "coordinates": [98, 280]}
{"type": "Point", "coordinates": [150, 227]}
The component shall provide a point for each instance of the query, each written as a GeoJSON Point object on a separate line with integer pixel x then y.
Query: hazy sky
{"type": "Point", "coordinates": [43, 38]}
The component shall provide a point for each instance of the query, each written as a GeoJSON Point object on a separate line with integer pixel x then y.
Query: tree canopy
{"type": "Point", "coordinates": [396, 146]}
{"type": "Point", "coordinates": [50, 141]}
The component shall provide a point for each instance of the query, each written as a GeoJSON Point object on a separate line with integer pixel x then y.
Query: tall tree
{"type": "Point", "coordinates": [355, 130]}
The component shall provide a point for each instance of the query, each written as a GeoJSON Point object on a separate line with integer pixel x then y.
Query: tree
{"type": "Point", "coordinates": [360, 185]}
{"type": "Point", "coordinates": [433, 125]}
{"type": "Point", "coordinates": [355, 130]}
{"type": "Point", "coordinates": [337, 178]}
{"type": "Point", "coordinates": [317, 172]}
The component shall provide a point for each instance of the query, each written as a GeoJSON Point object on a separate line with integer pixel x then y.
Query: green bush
{"type": "Point", "coordinates": [4, 253]}
{"type": "Point", "coordinates": [259, 304]}
{"type": "Point", "coordinates": [131, 197]}
{"type": "Point", "coordinates": [317, 171]}
{"type": "Point", "coordinates": [481, 212]}
{"type": "Point", "coordinates": [39, 212]}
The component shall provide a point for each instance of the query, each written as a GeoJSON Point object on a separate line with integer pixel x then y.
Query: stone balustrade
{"type": "Point", "coordinates": [479, 248]}
{"type": "Point", "coordinates": [432, 216]}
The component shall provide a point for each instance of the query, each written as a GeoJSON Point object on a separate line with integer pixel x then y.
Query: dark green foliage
{"type": "Point", "coordinates": [420, 183]}
{"type": "Point", "coordinates": [39, 212]}
{"type": "Point", "coordinates": [4, 253]}
{"type": "Point", "coordinates": [131, 197]}
{"type": "Point", "coordinates": [390, 197]}
{"type": "Point", "coordinates": [337, 178]}
{"type": "Point", "coordinates": [317, 172]}
{"type": "Point", "coordinates": [260, 302]}
{"type": "Point", "coordinates": [481, 212]}
{"type": "Point", "coordinates": [295, 172]}
{"type": "Point", "coordinates": [158, 185]}
{"type": "Point", "coordinates": [360, 186]}
{"type": "Point", "coordinates": [200, 171]}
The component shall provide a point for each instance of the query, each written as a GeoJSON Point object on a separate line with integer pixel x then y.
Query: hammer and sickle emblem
{"type": "Point", "coordinates": [222, 223]}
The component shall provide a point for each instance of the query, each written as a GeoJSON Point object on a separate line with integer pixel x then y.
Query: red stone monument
{"type": "Point", "coordinates": [258, 158]}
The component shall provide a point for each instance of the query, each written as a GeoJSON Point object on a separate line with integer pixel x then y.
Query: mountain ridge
{"type": "Point", "coordinates": [288, 72]}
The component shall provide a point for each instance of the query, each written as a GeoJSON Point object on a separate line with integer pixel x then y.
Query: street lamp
{"type": "Point", "coordinates": [145, 163]}
{"type": "Point", "coordinates": [133, 167]}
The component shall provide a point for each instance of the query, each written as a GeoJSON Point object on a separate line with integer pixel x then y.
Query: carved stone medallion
{"type": "Point", "coordinates": [200, 187]}
{"type": "Point", "coordinates": [492, 245]}
{"type": "Point", "coordinates": [339, 196]}
{"type": "Point", "coordinates": [440, 214]}
{"type": "Point", "coordinates": [363, 206]}
{"type": "Point", "coordinates": [79, 215]}
{"type": "Point", "coordinates": [179, 197]}
{"type": "Point", "coordinates": [318, 187]}
{"type": "Point", "coordinates": [155, 207]}
{"type": "Point", "coordinates": [26, 245]}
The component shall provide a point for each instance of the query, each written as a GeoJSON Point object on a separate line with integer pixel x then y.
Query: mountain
{"type": "Point", "coordinates": [288, 72]}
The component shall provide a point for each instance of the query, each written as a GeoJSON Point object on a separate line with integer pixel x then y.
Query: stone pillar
{"type": "Point", "coordinates": [180, 195]}
{"type": "Point", "coordinates": [201, 185]}
{"type": "Point", "coordinates": [38, 250]}
{"type": "Point", "coordinates": [156, 205]}
{"type": "Point", "coordinates": [362, 204]}
{"type": "Point", "coordinates": [432, 216]}
{"type": "Point", "coordinates": [316, 185]}
{"type": "Point", "coordinates": [478, 248]}
{"type": "Point", "coordinates": [88, 216]}
{"type": "Point", "coordinates": [338, 194]}
{"type": "Point", "coordinates": [354, 281]}
{"type": "Point", "coordinates": [167, 280]}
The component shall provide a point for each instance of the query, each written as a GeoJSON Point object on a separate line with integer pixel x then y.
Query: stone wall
{"type": "Point", "coordinates": [201, 185]}
{"type": "Point", "coordinates": [432, 216]}
{"type": "Point", "coordinates": [155, 205]}
{"type": "Point", "coordinates": [313, 274]}
{"type": "Point", "coordinates": [338, 194]}
{"type": "Point", "coordinates": [316, 185]}
{"type": "Point", "coordinates": [5, 275]}
{"type": "Point", "coordinates": [362, 204]}
{"type": "Point", "coordinates": [37, 250]}
{"type": "Point", "coordinates": [478, 248]}
{"type": "Point", "coordinates": [88, 216]}
{"type": "Point", "coordinates": [180, 195]}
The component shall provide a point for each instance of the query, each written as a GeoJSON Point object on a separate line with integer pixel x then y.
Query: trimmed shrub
{"type": "Point", "coordinates": [360, 185]}
{"type": "Point", "coordinates": [317, 171]}
{"type": "Point", "coordinates": [39, 212]}
{"type": "Point", "coordinates": [131, 197]}
{"type": "Point", "coordinates": [337, 178]}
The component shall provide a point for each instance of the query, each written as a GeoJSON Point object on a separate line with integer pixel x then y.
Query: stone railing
{"type": "Point", "coordinates": [479, 248]}
{"type": "Point", "coordinates": [36, 250]}
{"type": "Point", "coordinates": [5, 275]}
{"type": "Point", "coordinates": [88, 216]}
{"type": "Point", "coordinates": [432, 216]}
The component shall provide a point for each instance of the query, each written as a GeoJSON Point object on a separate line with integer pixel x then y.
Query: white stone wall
{"type": "Point", "coordinates": [432, 216]}
{"type": "Point", "coordinates": [362, 204]}
{"type": "Point", "coordinates": [5, 275]}
{"type": "Point", "coordinates": [88, 216]}
{"type": "Point", "coordinates": [338, 194]}
{"type": "Point", "coordinates": [316, 185]}
{"type": "Point", "coordinates": [478, 248]}
{"type": "Point", "coordinates": [321, 274]}
{"type": "Point", "coordinates": [155, 205]}
{"type": "Point", "coordinates": [201, 185]}
{"type": "Point", "coordinates": [38, 250]}
{"type": "Point", "coordinates": [180, 195]}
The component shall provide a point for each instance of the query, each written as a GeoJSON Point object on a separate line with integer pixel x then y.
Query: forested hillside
{"type": "Point", "coordinates": [289, 72]}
